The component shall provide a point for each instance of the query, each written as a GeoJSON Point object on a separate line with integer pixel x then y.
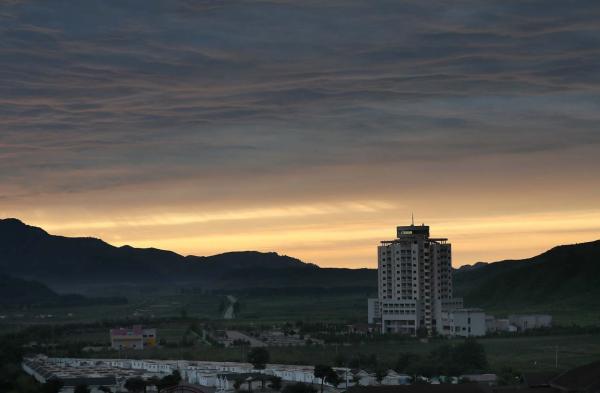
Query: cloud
{"type": "Point", "coordinates": [108, 97]}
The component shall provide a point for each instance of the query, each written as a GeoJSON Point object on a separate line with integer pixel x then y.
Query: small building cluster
{"type": "Point", "coordinates": [278, 338]}
{"type": "Point", "coordinates": [226, 377]}
{"type": "Point", "coordinates": [135, 337]}
{"type": "Point", "coordinates": [583, 379]}
{"type": "Point", "coordinates": [271, 338]}
{"type": "Point", "coordinates": [113, 373]}
{"type": "Point", "coordinates": [415, 292]}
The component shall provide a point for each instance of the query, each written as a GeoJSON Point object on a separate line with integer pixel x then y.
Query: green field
{"type": "Point", "coordinates": [521, 353]}
{"type": "Point", "coordinates": [172, 313]}
{"type": "Point", "coordinates": [263, 309]}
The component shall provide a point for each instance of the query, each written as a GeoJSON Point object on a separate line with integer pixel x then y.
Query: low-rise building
{"type": "Point", "coordinates": [465, 322]}
{"type": "Point", "coordinates": [373, 312]}
{"type": "Point", "coordinates": [525, 322]}
{"type": "Point", "coordinates": [132, 338]}
{"type": "Point", "coordinates": [498, 325]}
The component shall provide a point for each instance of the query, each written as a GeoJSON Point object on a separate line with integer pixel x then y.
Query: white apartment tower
{"type": "Point", "coordinates": [414, 282]}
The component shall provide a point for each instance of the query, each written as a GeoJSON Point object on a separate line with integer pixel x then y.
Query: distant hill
{"type": "Point", "coordinates": [16, 292]}
{"type": "Point", "coordinates": [564, 274]}
{"type": "Point", "coordinates": [30, 252]}
{"type": "Point", "coordinates": [476, 265]}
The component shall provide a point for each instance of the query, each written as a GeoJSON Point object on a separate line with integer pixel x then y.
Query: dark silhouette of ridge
{"type": "Point", "coordinates": [569, 273]}
{"type": "Point", "coordinates": [30, 252]}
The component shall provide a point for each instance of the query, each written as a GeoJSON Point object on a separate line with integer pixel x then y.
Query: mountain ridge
{"type": "Point", "coordinates": [566, 273]}
{"type": "Point", "coordinates": [30, 252]}
{"type": "Point", "coordinates": [560, 274]}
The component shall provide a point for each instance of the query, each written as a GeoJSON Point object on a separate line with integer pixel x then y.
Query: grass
{"type": "Point", "coordinates": [523, 353]}
{"type": "Point", "coordinates": [265, 309]}
{"type": "Point", "coordinates": [329, 308]}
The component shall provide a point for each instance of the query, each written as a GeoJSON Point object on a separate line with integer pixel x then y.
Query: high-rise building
{"type": "Point", "coordinates": [414, 282]}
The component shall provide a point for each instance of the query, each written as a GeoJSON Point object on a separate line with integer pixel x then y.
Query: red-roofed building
{"type": "Point", "coordinates": [135, 337]}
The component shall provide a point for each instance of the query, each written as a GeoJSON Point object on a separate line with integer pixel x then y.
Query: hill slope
{"type": "Point", "coordinates": [16, 292]}
{"type": "Point", "coordinates": [30, 252]}
{"type": "Point", "coordinates": [564, 274]}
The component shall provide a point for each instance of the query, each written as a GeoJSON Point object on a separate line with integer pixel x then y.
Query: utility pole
{"type": "Point", "coordinates": [556, 357]}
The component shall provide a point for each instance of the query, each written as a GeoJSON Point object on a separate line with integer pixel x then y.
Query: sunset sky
{"type": "Point", "coordinates": [309, 128]}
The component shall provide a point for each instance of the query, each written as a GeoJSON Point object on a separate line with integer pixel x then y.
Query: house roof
{"type": "Point", "coordinates": [580, 379]}
{"type": "Point", "coordinates": [136, 330]}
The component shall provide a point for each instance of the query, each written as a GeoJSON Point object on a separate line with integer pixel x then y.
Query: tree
{"type": "Point", "coordinates": [333, 378]}
{"type": "Point", "coordinates": [52, 386]}
{"type": "Point", "coordinates": [258, 357]}
{"type": "Point", "coordinates": [326, 373]}
{"type": "Point", "coordinates": [81, 389]}
{"type": "Point", "coordinates": [380, 373]}
{"type": "Point", "coordinates": [425, 367]}
{"type": "Point", "coordinates": [170, 380]}
{"type": "Point", "coordinates": [405, 360]}
{"type": "Point", "coordinates": [509, 376]}
{"type": "Point", "coordinates": [154, 381]}
{"type": "Point", "coordinates": [471, 355]}
{"type": "Point", "coordinates": [362, 360]}
{"type": "Point", "coordinates": [135, 385]}
{"type": "Point", "coordinates": [275, 383]}
{"type": "Point", "coordinates": [340, 360]}
{"type": "Point", "coordinates": [237, 384]}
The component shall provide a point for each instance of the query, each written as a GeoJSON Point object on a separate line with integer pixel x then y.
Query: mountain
{"type": "Point", "coordinates": [564, 274]}
{"type": "Point", "coordinates": [568, 273]}
{"type": "Point", "coordinates": [476, 265]}
{"type": "Point", "coordinates": [30, 252]}
{"type": "Point", "coordinates": [16, 292]}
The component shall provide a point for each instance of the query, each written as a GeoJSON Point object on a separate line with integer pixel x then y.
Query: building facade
{"type": "Point", "coordinates": [414, 282]}
{"type": "Point", "coordinates": [525, 322]}
{"type": "Point", "coordinates": [132, 338]}
{"type": "Point", "coordinates": [464, 322]}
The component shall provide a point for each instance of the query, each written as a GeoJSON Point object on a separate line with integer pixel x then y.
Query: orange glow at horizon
{"type": "Point", "coordinates": [343, 234]}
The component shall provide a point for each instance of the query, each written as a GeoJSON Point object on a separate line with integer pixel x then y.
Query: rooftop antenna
{"type": "Point", "coordinates": [412, 215]}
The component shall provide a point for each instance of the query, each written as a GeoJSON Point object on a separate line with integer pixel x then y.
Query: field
{"type": "Point", "coordinates": [344, 307]}
{"type": "Point", "coordinates": [172, 313]}
{"type": "Point", "coordinates": [260, 309]}
{"type": "Point", "coordinates": [526, 353]}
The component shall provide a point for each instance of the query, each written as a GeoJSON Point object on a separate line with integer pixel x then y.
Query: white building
{"type": "Point", "coordinates": [373, 311]}
{"type": "Point", "coordinates": [114, 372]}
{"type": "Point", "coordinates": [464, 322]}
{"type": "Point", "coordinates": [530, 321]}
{"type": "Point", "coordinates": [414, 282]}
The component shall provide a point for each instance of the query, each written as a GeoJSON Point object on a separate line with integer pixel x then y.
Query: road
{"type": "Point", "coordinates": [229, 314]}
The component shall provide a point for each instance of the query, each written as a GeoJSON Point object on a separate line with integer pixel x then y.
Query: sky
{"type": "Point", "coordinates": [309, 128]}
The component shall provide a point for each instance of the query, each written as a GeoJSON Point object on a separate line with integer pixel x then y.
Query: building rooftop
{"type": "Point", "coordinates": [581, 379]}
